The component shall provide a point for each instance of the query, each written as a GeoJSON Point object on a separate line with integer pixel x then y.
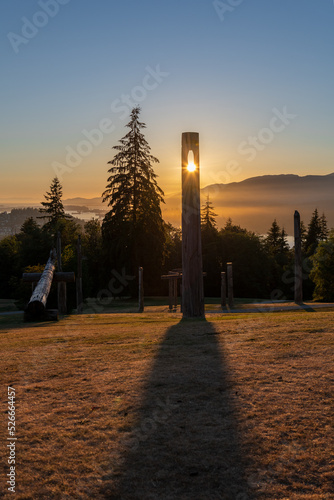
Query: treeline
{"type": "Point", "coordinates": [263, 267]}
{"type": "Point", "coordinates": [133, 234]}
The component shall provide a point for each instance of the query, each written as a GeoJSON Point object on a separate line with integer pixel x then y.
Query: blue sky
{"type": "Point", "coordinates": [226, 72]}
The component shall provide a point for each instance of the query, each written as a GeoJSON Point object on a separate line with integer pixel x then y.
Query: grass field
{"type": "Point", "coordinates": [129, 406]}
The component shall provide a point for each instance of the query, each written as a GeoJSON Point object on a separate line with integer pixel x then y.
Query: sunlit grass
{"type": "Point", "coordinates": [81, 383]}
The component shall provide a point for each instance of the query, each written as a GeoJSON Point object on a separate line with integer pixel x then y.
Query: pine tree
{"type": "Point", "coordinates": [283, 242]}
{"type": "Point", "coordinates": [133, 229]}
{"type": "Point", "coordinates": [317, 231]}
{"type": "Point", "coordinates": [322, 273]}
{"type": "Point", "coordinates": [274, 238]}
{"type": "Point", "coordinates": [208, 217]}
{"type": "Point", "coordinates": [276, 241]}
{"type": "Point", "coordinates": [53, 206]}
{"type": "Point", "coordinates": [132, 186]}
{"type": "Point", "coordinates": [280, 257]}
{"type": "Point", "coordinates": [324, 228]}
{"type": "Point", "coordinates": [210, 249]}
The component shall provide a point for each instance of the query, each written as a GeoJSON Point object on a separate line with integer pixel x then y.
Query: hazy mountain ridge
{"type": "Point", "coordinates": [255, 202]}
{"type": "Point", "coordinates": [87, 202]}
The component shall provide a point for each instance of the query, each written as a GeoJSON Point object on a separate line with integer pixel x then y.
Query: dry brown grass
{"type": "Point", "coordinates": [119, 406]}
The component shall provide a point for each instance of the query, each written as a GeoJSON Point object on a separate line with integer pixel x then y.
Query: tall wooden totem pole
{"type": "Point", "coordinates": [192, 270]}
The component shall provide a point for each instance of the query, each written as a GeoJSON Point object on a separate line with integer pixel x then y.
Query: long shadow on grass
{"type": "Point", "coordinates": [185, 444]}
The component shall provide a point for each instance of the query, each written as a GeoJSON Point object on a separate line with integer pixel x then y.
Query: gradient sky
{"type": "Point", "coordinates": [225, 74]}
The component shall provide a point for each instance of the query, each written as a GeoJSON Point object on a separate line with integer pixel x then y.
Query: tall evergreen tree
{"type": "Point", "coordinates": [210, 249]}
{"type": "Point", "coordinates": [132, 186]}
{"type": "Point", "coordinates": [133, 229]}
{"type": "Point", "coordinates": [317, 231]}
{"type": "Point", "coordinates": [208, 217]}
{"type": "Point", "coordinates": [53, 207]}
{"type": "Point", "coordinates": [322, 273]}
{"type": "Point", "coordinates": [280, 257]}
{"type": "Point", "coordinates": [274, 238]}
{"type": "Point", "coordinates": [324, 228]}
{"type": "Point", "coordinates": [283, 242]}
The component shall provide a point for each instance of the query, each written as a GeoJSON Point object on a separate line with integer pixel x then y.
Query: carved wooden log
{"type": "Point", "coordinates": [37, 303]}
{"type": "Point", "coordinates": [192, 275]}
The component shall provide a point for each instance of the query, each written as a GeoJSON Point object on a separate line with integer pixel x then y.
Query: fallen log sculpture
{"type": "Point", "coordinates": [36, 308]}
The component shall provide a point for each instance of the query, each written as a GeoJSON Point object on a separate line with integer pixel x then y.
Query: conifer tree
{"type": "Point", "coordinates": [279, 255]}
{"type": "Point", "coordinates": [276, 241]}
{"type": "Point", "coordinates": [132, 186]}
{"type": "Point", "coordinates": [59, 221]}
{"type": "Point", "coordinates": [274, 238]}
{"type": "Point", "coordinates": [317, 231]}
{"type": "Point", "coordinates": [208, 217]}
{"type": "Point", "coordinates": [283, 242]}
{"type": "Point", "coordinates": [323, 270]}
{"type": "Point", "coordinates": [210, 249]}
{"type": "Point", "coordinates": [53, 207]}
{"type": "Point", "coordinates": [133, 229]}
{"type": "Point", "coordinates": [324, 228]}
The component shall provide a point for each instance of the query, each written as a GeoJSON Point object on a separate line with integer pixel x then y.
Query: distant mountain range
{"type": "Point", "coordinates": [255, 202]}
{"type": "Point", "coordinates": [85, 202]}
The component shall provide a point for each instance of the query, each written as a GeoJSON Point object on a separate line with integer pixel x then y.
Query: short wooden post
{"type": "Point", "coordinates": [170, 294]}
{"type": "Point", "coordinates": [141, 291]}
{"type": "Point", "coordinates": [181, 298]}
{"type": "Point", "coordinates": [223, 289]}
{"type": "Point", "coordinates": [298, 261]}
{"type": "Point", "coordinates": [62, 291]}
{"type": "Point", "coordinates": [230, 284]}
{"type": "Point", "coordinates": [192, 273]}
{"type": "Point", "coordinates": [79, 278]}
{"type": "Point", "coordinates": [175, 292]}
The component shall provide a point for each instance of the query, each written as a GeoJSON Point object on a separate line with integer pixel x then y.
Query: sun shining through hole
{"type": "Point", "coordinates": [191, 167]}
